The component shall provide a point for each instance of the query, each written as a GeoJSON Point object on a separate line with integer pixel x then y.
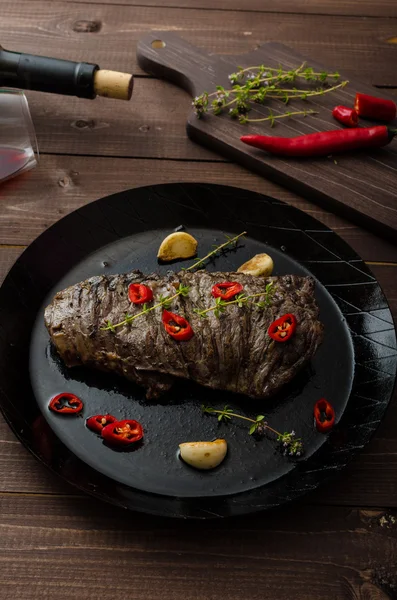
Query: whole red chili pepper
{"type": "Point", "coordinates": [347, 116]}
{"type": "Point", "coordinates": [375, 108]}
{"type": "Point", "coordinates": [282, 329]}
{"type": "Point", "coordinates": [323, 143]}
{"type": "Point", "coordinates": [122, 433]}
{"type": "Point", "coordinates": [139, 293]}
{"type": "Point", "coordinates": [66, 404]}
{"type": "Point", "coordinates": [324, 415]}
{"type": "Point", "coordinates": [176, 326]}
{"type": "Point", "coordinates": [98, 422]}
{"type": "Point", "coordinates": [232, 288]}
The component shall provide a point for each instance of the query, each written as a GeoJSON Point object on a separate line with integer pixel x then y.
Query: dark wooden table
{"type": "Point", "coordinates": [341, 541]}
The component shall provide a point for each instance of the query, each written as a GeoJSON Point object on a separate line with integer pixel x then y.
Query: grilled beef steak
{"type": "Point", "coordinates": [231, 352]}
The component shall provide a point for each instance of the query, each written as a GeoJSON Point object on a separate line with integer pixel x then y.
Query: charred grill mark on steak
{"type": "Point", "coordinates": [232, 352]}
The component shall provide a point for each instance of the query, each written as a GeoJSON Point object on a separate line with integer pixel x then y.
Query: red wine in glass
{"type": "Point", "coordinates": [13, 160]}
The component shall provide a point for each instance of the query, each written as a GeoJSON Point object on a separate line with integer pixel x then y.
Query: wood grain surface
{"type": "Point", "coordinates": [67, 182]}
{"type": "Point", "coordinates": [108, 34]}
{"type": "Point", "coordinates": [366, 8]}
{"type": "Point", "coordinates": [72, 548]}
{"type": "Point", "coordinates": [141, 129]}
{"type": "Point", "coordinates": [340, 542]}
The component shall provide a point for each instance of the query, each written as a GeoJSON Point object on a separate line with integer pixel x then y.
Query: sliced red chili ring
{"type": "Point", "coordinates": [97, 422]}
{"type": "Point", "coordinates": [122, 433]}
{"type": "Point", "coordinates": [282, 329]}
{"type": "Point", "coordinates": [66, 404]}
{"type": "Point", "coordinates": [226, 290]}
{"type": "Point", "coordinates": [324, 415]}
{"type": "Point", "coordinates": [138, 293]}
{"type": "Point", "coordinates": [176, 326]}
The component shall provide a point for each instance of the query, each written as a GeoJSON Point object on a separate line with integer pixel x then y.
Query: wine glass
{"type": "Point", "coordinates": [18, 144]}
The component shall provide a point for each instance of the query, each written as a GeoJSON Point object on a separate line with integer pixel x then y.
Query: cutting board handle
{"type": "Point", "coordinates": [166, 55]}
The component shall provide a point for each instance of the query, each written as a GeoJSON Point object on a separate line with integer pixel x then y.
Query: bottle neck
{"type": "Point", "coordinates": [52, 75]}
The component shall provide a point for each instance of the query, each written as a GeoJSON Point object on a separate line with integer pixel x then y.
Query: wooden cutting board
{"type": "Point", "coordinates": [361, 186]}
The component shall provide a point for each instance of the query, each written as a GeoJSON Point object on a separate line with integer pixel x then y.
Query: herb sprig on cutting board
{"type": "Point", "coordinates": [260, 83]}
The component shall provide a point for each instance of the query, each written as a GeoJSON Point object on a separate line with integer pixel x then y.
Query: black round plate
{"type": "Point", "coordinates": [354, 368]}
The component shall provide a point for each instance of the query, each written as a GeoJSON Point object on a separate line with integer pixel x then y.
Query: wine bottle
{"type": "Point", "coordinates": [56, 76]}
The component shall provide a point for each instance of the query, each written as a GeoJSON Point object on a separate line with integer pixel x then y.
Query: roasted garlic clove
{"type": "Point", "coordinates": [204, 455]}
{"type": "Point", "coordinates": [177, 245]}
{"type": "Point", "coordinates": [259, 265]}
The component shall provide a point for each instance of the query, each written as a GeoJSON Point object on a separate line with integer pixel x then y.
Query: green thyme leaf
{"type": "Point", "coordinates": [183, 290]}
{"type": "Point", "coordinates": [165, 302]}
{"type": "Point", "coordinates": [110, 326]}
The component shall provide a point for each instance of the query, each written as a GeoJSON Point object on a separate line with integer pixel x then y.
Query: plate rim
{"type": "Point", "coordinates": [186, 507]}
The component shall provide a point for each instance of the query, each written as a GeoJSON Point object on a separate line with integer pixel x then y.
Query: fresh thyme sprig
{"type": "Point", "coordinates": [290, 444]}
{"type": "Point", "coordinates": [259, 83]}
{"type": "Point", "coordinates": [230, 241]}
{"type": "Point", "coordinates": [269, 291]}
{"type": "Point", "coordinates": [302, 71]}
{"type": "Point", "coordinates": [164, 302]}
{"type": "Point", "coordinates": [273, 118]}
{"type": "Point", "coordinates": [240, 300]}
